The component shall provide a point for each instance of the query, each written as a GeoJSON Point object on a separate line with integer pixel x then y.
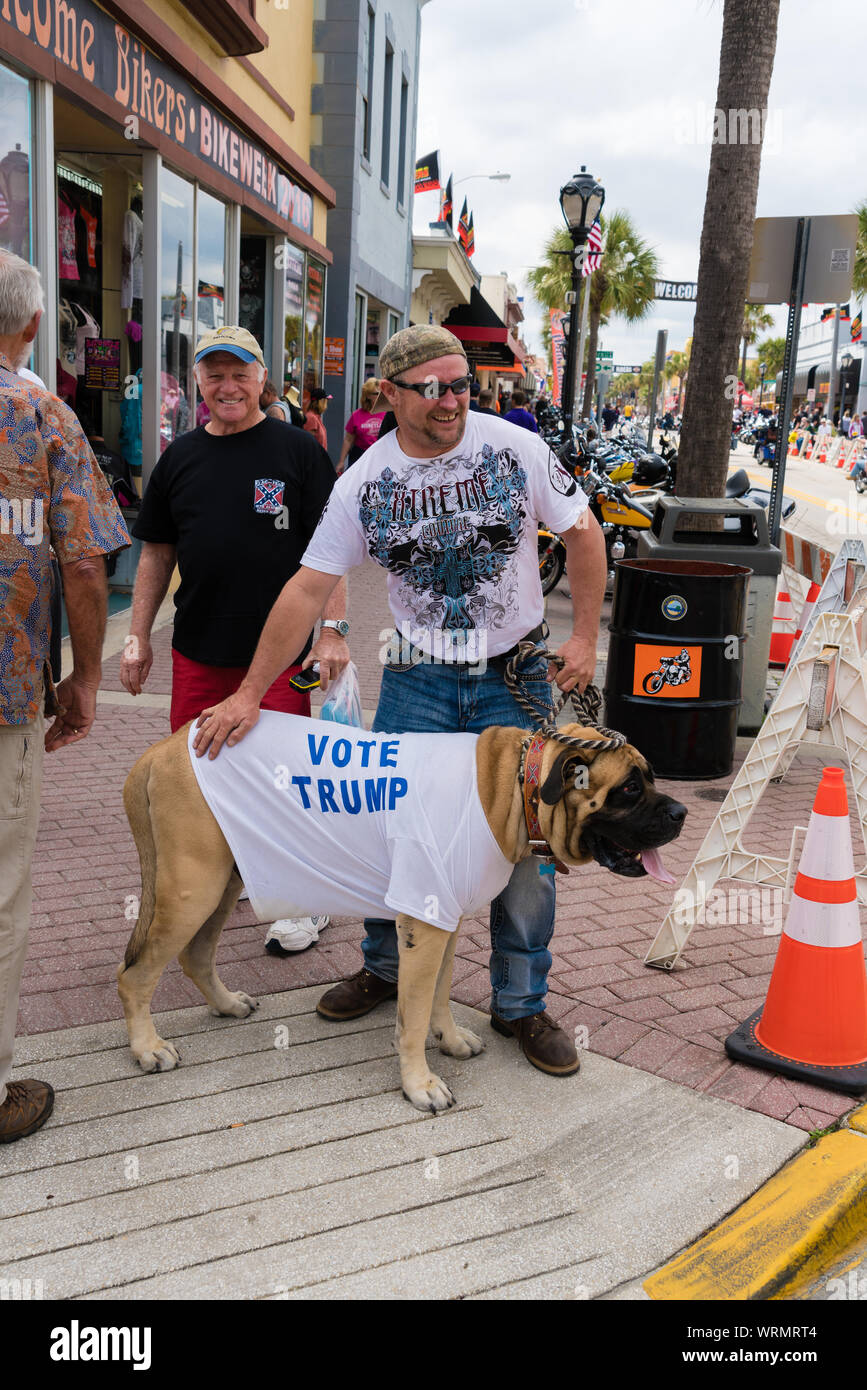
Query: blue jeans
{"type": "Point", "coordinates": [446, 699]}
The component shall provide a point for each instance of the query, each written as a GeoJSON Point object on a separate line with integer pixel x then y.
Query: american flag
{"type": "Point", "coordinates": [593, 253]}
{"type": "Point", "coordinates": [4, 210]}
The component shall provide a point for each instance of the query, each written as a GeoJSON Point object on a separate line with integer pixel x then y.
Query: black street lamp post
{"type": "Point", "coordinates": [581, 202]}
{"type": "Point", "coordinates": [845, 363]}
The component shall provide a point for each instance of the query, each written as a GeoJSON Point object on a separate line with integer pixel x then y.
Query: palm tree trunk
{"type": "Point", "coordinates": [749, 40]}
{"type": "Point", "coordinates": [592, 340]}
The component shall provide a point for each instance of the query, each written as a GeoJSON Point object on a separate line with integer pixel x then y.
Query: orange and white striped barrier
{"type": "Point", "coordinates": [782, 630]}
{"type": "Point", "coordinates": [807, 612]}
{"type": "Point", "coordinates": [806, 558]}
{"type": "Point", "coordinates": [813, 1025]}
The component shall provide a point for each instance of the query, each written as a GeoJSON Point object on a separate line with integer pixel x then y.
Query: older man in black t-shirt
{"type": "Point", "coordinates": [234, 504]}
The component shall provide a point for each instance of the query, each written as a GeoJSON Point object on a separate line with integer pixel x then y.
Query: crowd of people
{"type": "Point", "coordinates": [238, 505]}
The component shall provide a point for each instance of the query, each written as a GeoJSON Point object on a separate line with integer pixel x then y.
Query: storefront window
{"type": "Point", "coordinates": [253, 289]}
{"type": "Point", "coordinates": [177, 304]}
{"type": "Point", "coordinates": [293, 300]}
{"type": "Point", "coordinates": [313, 317]}
{"type": "Point", "coordinates": [210, 265]}
{"type": "Point", "coordinates": [14, 163]}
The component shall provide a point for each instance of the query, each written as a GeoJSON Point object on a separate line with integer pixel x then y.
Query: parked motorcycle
{"type": "Point", "coordinates": [552, 560]}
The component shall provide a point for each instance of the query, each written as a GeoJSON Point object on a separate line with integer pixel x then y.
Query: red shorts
{"type": "Point", "coordinates": [196, 687]}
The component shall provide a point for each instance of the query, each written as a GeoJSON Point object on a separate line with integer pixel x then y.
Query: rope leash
{"type": "Point", "coordinates": [586, 705]}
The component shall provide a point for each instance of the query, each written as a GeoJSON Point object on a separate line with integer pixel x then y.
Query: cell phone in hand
{"type": "Point", "coordinates": [305, 680]}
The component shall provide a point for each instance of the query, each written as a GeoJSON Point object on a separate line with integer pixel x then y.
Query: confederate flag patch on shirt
{"type": "Point", "coordinates": [268, 496]}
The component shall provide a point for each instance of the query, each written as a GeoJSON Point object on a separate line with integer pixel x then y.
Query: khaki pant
{"type": "Point", "coordinates": [21, 756]}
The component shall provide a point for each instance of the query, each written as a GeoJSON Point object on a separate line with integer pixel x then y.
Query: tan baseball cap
{"type": "Point", "coordinates": [230, 338]}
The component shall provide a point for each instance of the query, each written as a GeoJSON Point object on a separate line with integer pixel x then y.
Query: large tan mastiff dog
{"type": "Point", "coordinates": [190, 884]}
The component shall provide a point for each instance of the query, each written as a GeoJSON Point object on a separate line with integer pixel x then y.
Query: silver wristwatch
{"type": "Point", "coordinates": [339, 624]}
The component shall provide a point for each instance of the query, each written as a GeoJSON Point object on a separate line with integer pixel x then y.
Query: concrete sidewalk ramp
{"type": "Point", "coordinates": [280, 1161]}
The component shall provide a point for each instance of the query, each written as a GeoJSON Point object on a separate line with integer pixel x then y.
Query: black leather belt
{"type": "Point", "coordinates": [538, 634]}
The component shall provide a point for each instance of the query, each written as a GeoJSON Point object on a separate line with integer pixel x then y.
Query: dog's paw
{"type": "Point", "coordinates": [432, 1095]}
{"type": "Point", "coordinates": [163, 1057]}
{"type": "Point", "coordinates": [461, 1043]}
{"type": "Point", "coordinates": [237, 1005]}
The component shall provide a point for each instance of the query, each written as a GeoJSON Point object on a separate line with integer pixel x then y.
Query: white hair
{"type": "Point", "coordinates": [21, 293]}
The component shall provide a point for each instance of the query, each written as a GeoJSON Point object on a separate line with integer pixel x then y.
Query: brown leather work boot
{"type": "Point", "coordinates": [356, 996]}
{"type": "Point", "coordinates": [543, 1042]}
{"type": "Point", "coordinates": [25, 1109]}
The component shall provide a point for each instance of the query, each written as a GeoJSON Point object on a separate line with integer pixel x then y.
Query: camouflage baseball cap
{"type": "Point", "coordinates": [410, 347]}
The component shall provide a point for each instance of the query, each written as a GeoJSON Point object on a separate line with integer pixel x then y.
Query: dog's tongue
{"type": "Point", "coordinates": [652, 861]}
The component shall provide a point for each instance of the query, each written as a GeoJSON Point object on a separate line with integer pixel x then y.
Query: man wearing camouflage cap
{"type": "Point", "coordinates": [449, 504]}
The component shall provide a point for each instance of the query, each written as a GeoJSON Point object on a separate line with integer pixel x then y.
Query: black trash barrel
{"type": "Point", "coordinates": [675, 662]}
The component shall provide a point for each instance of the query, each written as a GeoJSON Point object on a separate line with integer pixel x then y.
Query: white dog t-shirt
{"type": "Point", "coordinates": [325, 817]}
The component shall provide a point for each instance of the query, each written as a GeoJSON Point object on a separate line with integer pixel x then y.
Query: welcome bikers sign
{"type": "Point", "coordinates": [88, 42]}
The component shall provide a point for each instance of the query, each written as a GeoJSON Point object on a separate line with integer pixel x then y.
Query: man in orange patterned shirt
{"type": "Point", "coordinates": [52, 494]}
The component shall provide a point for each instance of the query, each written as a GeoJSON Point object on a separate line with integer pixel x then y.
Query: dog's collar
{"type": "Point", "coordinates": [530, 776]}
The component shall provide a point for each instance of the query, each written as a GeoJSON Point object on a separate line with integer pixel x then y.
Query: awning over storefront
{"type": "Point", "coordinates": [486, 339]}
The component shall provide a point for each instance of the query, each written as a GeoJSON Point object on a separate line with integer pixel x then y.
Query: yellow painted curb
{"type": "Point", "coordinates": [804, 1217]}
{"type": "Point", "coordinates": [858, 1120]}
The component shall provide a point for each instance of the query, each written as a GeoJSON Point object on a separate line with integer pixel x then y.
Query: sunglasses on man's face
{"type": "Point", "coordinates": [432, 390]}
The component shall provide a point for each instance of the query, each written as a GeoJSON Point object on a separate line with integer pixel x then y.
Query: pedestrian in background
{"type": "Point", "coordinates": [313, 418]}
{"type": "Point", "coordinates": [234, 505]}
{"type": "Point", "coordinates": [486, 403]}
{"type": "Point", "coordinates": [47, 467]}
{"type": "Point", "coordinates": [519, 415]}
{"type": "Point", "coordinates": [272, 405]}
{"type": "Point", "coordinates": [362, 427]}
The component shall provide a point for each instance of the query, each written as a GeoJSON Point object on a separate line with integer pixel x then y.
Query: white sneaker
{"type": "Point", "coordinates": [288, 935]}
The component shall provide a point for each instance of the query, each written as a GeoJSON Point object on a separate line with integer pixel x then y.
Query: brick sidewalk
{"type": "Point", "coordinates": [86, 879]}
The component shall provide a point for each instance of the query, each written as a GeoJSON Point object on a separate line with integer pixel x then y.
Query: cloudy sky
{"type": "Point", "coordinates": [627, 88]}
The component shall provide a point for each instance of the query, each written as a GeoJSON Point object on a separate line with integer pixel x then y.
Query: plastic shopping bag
{"type": "Point", "coordinates": [342, 702]}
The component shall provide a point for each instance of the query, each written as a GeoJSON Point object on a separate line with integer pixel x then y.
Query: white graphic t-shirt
{"type": "Point", "coordinates": [457, 534]}
{"type": "Point", "coordinates": [324, 817]}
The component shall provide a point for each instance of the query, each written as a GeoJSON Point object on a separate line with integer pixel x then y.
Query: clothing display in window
{"type": "Point", "coordinates": [88, 329]}
{"type": "Point", "coordinates": [68, 260]}
{"type": "Point", "coordinates": [132, 260]}
{"type": "Point", "coordinates": [91, 223]}
{"type": "Point", "coordinates": [67, 327]}
{"type": "Point", "coordinates": [130, 427]}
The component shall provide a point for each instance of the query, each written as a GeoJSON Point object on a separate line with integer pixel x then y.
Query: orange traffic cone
{"type": "Point", "coordinates": [782, 630]}
{"type": "Point", "coordinates": [807, 614]}
{"type": "Point", "coordinates": [813, 1026]}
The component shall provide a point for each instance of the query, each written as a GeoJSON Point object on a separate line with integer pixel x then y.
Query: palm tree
{"type": "Point", "coordinates": [551, 280]}
{"type": "Point", "coordinates": [749, 40]}
{"type": "Point", "coordinates": [772, 351]}
{"type": "Point", "coordinates": [624, 285]}
{"type": "Point", "coordinates": [859, 278]}
{"type": "Point", "coordinates": [678, 362]}
{"type": "Point", "coordinates": [755, 318]}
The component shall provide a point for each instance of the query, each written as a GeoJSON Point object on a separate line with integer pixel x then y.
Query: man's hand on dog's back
{"type": "Point", "coordinates": [226, 722]}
